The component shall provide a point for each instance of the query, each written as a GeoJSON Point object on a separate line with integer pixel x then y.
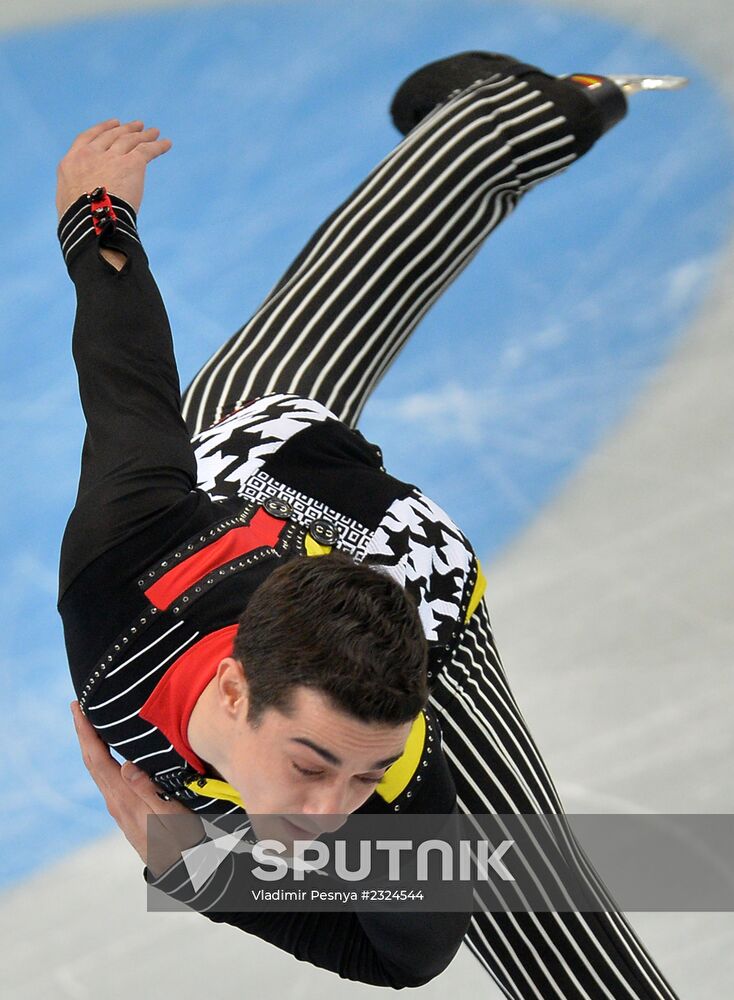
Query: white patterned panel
{"type": "Point", "coordinates": [230, 452]}
{"type": "Point", "coordinates": [353, 536]}
{"type": "Point", "coordinates": [419, 545]}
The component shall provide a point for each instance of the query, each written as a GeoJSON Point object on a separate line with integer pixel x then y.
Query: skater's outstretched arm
{"type": "Point", "coordinates": [137, 460]}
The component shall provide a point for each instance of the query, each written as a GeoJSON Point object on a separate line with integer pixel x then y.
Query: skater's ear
{"type": "Point", "coordinates": [232, 689]}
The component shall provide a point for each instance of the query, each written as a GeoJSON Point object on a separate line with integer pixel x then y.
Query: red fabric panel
{"type": "Point", "coordinates": [263, 529]}
{"type": "Point", "coordinates": [172, 700]}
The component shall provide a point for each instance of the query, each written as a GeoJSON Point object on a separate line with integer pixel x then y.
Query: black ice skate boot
{"type": "Point", "coordinates": [593, 103]}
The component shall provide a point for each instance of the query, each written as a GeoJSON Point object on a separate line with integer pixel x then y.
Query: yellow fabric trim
{"type": "Point", "coordinates": [314, 548]}
{"type": "Point", "coordinates": [215, 789]}
{"type": "Point", "coordinates": [479, 587]}
{"type": "Point", "coordinates": [398, 775]}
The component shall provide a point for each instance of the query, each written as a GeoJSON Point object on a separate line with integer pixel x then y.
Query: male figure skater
{"type": "Point", "coordinates": [241, 677]}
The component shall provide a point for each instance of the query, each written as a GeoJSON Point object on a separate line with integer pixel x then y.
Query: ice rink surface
{"type": "Point", "coordinates": [606, 528]}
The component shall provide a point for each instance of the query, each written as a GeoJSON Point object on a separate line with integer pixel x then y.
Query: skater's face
{"type": "Point", "coordinates": [317, 764]}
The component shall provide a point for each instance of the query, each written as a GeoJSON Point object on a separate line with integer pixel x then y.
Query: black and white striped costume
{"type": "Point", "coordinates": [312, 353]}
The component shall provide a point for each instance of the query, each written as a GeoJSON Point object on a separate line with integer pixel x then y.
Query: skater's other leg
{"type": "Point", "coordinates": [498, 769]}
{"type": "Point", "coordinates": [340, 315]}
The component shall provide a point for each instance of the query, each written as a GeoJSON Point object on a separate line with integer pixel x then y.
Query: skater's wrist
{"type": "Point", "coordinates": [80, 227]}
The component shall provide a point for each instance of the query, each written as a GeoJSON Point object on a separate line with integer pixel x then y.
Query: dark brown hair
{"type": "Point", "coordinates": [339, 627]}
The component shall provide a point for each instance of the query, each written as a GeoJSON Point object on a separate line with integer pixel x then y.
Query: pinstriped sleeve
{"type": "Point", "coordinates": [394, 949]}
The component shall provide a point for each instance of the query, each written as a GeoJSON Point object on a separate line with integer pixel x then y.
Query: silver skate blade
{"type": "Point", "coordinates": [632, 84]}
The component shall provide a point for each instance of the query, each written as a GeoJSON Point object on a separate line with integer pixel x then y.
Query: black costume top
{"type": "Point", "coordinates": [170, 537]}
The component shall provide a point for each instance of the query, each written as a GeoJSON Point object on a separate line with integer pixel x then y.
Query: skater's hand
{"type": "Point", "coordinates": [111, 155]}
{"type": "Point", "coordinates": [129, 802]}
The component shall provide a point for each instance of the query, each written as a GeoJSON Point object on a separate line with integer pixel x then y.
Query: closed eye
{"type": "Point", "coordinates": [303, 770]}
{"type": "Point", "coordinates": [309, 773]}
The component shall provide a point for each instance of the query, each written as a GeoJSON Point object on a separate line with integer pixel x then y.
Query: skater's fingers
{"type": "Point", "coordinates": [130, 802]}
{"type": "Point", "coordinates": [84, 138]}
{"type": "Point", "coordinates": [95, 753]}
{"type": "Point", "coordinates": [129, 140]}
{"type": "Point", "coordinates": [172, 835]}
{"type": "Point", "coordinates": [110, 137]}
{"type": "Point", "coordinates": [156, 147]}
{"type": "Point", "coordinates": [145, 143]}
{"type": "Point", "coordinates": [147, 790]}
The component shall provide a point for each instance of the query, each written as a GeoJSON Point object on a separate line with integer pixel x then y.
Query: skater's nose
{"type": "Point", "coordinates": [329, 805]}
